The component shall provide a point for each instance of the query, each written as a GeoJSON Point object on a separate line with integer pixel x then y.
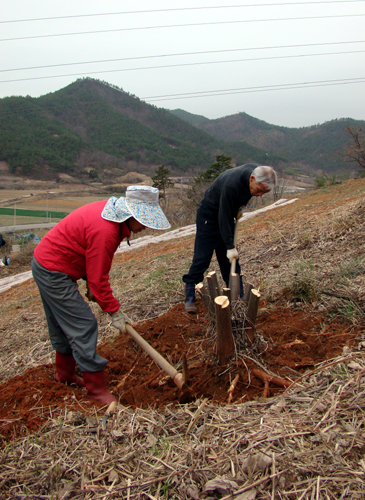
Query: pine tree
{"type": "Point", "coordinates": [161, 180]}
{"type": "Point", "coordinates": [222, 163]}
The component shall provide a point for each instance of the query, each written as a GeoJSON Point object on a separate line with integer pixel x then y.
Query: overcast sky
{"type": "Point", "coordinates": [240, 56]}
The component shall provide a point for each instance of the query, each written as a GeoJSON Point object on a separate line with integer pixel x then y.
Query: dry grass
{"type": "Point", "coordinates": [306, 444]}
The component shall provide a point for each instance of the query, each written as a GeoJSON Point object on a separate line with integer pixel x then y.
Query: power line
{"type": "Point", "coordinates": [202, 94]}
{"type": "Point", "coordinates": [265, 88]}
{"type": "Point", "coordinates": [76, 16]}
{"type": "Point", "coordinates": [214, 93]}
{"type": "Point", "coordinates": [164, 66]}
{"type": "Point", "coordinates": [181, 54]}
{"type": "Point", "coordinates": [181, 26]}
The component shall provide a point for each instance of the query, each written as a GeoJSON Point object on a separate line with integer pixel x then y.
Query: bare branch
{"type": "Point", "coordinates": [356, 150]}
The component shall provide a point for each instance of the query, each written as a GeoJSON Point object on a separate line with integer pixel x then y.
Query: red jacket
{"type": "Point", "coordinates": [83, 245]}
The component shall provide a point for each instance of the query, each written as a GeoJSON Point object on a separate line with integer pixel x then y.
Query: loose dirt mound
{"type": "Point", "coordinates": [289, 340]}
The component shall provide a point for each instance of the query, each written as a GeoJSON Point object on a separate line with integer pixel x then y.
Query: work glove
{"type": "Point", "coordinates": [119, 320]}
{"type": "Point", "coordinates": [232, 254]}
{"type": "Point", "coordinates": [89, 294]}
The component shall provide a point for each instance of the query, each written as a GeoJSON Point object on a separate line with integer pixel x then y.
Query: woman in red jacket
{"type": "Point", "coordinates": [82, 245]}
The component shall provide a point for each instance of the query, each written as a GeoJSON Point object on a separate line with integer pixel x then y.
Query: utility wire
{"type": "Point", "coordinates": [76, 16]}
{"type": "Point", "coordinates": [285, 86]}
{"type": "Point", "coordinates": [183, 54]}
{"type": "Point", "coordinates": [215, 23]}
{"type": "Point", "coordinates": [191, 95]}
{"type": "Point", "coordinates": [207, 93]}
{"type": "Point", "coordinates": [164, 66]}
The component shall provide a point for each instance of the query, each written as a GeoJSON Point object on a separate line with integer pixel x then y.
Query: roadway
{"type": "Point", "coordinates": [6, 229]}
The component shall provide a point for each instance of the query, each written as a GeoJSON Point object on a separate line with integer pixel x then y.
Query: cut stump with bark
{"type": "Point", "coordinates": [234, 284]}
{"type": "Point", "coordinates": [227, 293]}
{"type": "Point", "coordinates": [247, 293]}
{"type": "Point", "coordinates": [213, 286]}
{"type": "Point", "coordinates": [252, 308]}
{"type": "Point", "coordinates": [206, 298]}
{"type": "Point", "coordinates": [225, 344]}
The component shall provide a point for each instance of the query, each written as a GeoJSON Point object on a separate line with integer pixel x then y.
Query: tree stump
{"type": "Point", "coordinates": [253, 305]}
{"type": "Point", "coordinates": [234, 285]}
{"type": "Point", "coordinates": [247, 293]}
{"type": "Point", "coordinates": [205, 295]}
{"type": "Point", "coordinates": [225, 344]}
{"type": "Point", "coordinates": [227, 293]}
{"type": "Point", "coordinates": [213, 286]}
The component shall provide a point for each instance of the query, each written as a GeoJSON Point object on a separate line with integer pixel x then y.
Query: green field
{"type": "Point", "coordinates": [21, 212]}
{"type": "Point", "coordinates": [20, 208]}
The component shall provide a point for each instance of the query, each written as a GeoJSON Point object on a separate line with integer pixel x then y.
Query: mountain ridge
{"type": "Point", "coordinates": [318, 145]}
{"type": "Point", "coordinates": [93, 126]}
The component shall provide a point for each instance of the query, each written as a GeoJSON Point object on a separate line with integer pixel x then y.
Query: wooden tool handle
{"type": "Point", "coordinates": [235, 237]}
{"type": "Point", "coordinates": [111, 408]}
{"type": "Point", "coordinates": [161, 361]}
{"type": "Point", "coordinates": [233, 266]}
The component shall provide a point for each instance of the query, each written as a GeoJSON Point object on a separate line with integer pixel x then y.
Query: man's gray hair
{"type": "Point", "coordinates": [265, 175]}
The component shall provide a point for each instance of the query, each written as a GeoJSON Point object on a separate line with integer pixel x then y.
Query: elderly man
{"type": "Point", "coordinates": [82, 245]}
{"type": "Point", "coordinates": [216, 218]}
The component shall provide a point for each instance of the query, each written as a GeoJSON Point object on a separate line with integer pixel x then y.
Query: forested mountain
{"type": "Point", "coordinates": [91, 123]}
{"type": "Point", "coordinates": [318, 147]}
{"type": "Point", "coordinates": [190, 117]}
{"type": "Point", "coordinates": [30, 140]}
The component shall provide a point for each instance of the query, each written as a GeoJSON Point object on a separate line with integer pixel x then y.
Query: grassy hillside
{"type": "Point", "coordinates": [90, 119]}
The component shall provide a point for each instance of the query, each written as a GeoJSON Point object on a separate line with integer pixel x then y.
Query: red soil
{"type": "Point", "coordinates": [293, 343]}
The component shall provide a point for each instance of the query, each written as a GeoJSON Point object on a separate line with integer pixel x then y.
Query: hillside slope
{"type": "Point", "coordinates": [308, 260]}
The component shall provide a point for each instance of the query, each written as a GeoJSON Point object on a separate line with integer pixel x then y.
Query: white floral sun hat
{"type": "Point", "coordinates": [140, 202]}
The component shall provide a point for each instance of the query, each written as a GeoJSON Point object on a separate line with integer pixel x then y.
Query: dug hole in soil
{"type": "Point", "coordinates": [291, 341]}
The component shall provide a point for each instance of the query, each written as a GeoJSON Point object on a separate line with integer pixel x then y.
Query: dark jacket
{"type": "Point", "coordinates": [228, 193]}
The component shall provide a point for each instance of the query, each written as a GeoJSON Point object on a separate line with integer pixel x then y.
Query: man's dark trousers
{"type": "Point", "coordinates": [207, 240]}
